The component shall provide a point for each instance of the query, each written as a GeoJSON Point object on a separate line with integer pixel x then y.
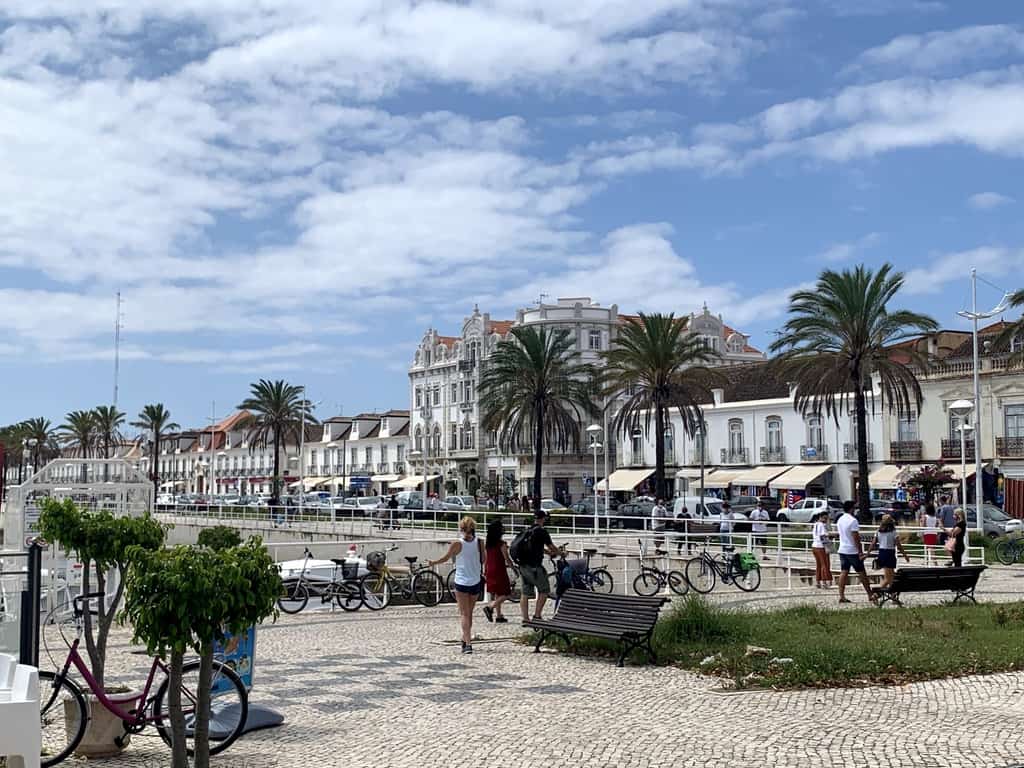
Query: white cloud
{"type": "Point", "coordinates": [943, 50]}
{"type": "Point", "coordinates": [990, 261]}
{"type": "Point", "coordinates": [838, 253]}
{"type": "Point", "coordinates": [984, 201]}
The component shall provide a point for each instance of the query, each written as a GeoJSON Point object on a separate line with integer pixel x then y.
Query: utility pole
{"type": "Point", "coordinates": [117, 346]}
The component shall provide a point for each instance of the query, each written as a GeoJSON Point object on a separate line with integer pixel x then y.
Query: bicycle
{"type": "Point", "coordinates": [651, 580]}
{"type": "Point", "coordinates": [417, 583]}
{"type": "Point", "coordinates": [295, 593]}
{"type": "Point", "coordinates": [595, 580]}
{"type": "Point", "coordinates": [1010, 550]}
{"type": "Point", "coordinates": [63, 712]}
{"type": "Point", "coordinates": [703, 571]}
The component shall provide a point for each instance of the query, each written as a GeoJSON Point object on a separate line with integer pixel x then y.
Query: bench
{"type": "Point", "coordinates": [627, 619]}
{"type": "Point", "coordinates": [960, 581]}
{"type": "Point", "coordinates": [20, 732]}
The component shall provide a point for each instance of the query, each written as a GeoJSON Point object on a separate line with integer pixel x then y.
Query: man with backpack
{"type": "Point", "coordinates": [528, 549]}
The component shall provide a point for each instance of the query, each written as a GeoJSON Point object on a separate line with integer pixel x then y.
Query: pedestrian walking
{"type": "Point", "coordinates": [393, 511]}
{"type": "Point", "coordinates": [496, 564]}
{"type": "Point", "coordinates": [468, 553]}
{"type": "Point", "coordinates": [821, 547]}
{"type": "Point", "coordinates": [929, 522]}
{"type": "Point", "coordinates": [759, 518]}
{"type": "Point", "coordinates": [887, 542]}
{"type": "Point", "coordinates": [725, 526]}
{"type": "Point", "coordinates": [659, 516]}
{"type": "Point", "coordinates": [851, 552]}
{"type": "Point", "coordinates": [535, 543]}
{"type": "Point", "coordinates": [682, 525]}
{"type": "Point", "coordinates": [957, 535]}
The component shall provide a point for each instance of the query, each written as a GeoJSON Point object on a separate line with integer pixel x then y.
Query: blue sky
{"type": "Point", "coordinates": [298, 190]}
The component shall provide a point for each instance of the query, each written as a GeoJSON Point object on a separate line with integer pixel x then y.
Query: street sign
{"type": "Point", "coordinates": [811, 452]}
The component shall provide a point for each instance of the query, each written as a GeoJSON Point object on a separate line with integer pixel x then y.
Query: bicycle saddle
{"type": "Point", "coordinates": [590, 551]}
{"type": "Point", "coordinates": [338, 560]}
{"type": "Point", "coordinates": [411, 559]}
{"type": "Point", "coordinates": [728, 549]}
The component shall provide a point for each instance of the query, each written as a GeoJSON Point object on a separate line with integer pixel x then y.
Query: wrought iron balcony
{"type": "Point", "coordinates": [773, 455]}
{"type": "Point", "coordinates": [850, 452]}
{"type": "Point", "coordinates": [398, 467]}
{"type": "Point", "coordinates": [811, 453]}
{"type": "Point", "coordinates": [635, 459]}
{"type": "Point", "coordinates": [695, 457]}
{"type": "Point", "coordinates": [951, 449]}
{"type": "Point", "coordinates": [730, 456]}
{"type": "Point", "coordinates": [1010, 447]}
{"type": "Point", "coordinates": [903, 451]}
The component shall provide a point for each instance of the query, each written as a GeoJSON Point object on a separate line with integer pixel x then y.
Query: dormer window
{"type": "Point", "coordinates": [1017, 343]}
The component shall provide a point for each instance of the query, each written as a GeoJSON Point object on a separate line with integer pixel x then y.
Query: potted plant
{"type": "Point", "coordinates": [190, 598]}
{"type": "Point", "coordinates": [102, 544]}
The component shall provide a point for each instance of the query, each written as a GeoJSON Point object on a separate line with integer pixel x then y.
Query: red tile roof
{"type": "Point", "coordinates": [746, 347]}
{"type": "Point", "coordinates": [448, 341]}
{"type": "Point", "coordinates": [500, 327]}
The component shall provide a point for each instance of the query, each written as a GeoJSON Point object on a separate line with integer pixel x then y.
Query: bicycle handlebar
{"type": "Point", "coordinates": [77, 602]}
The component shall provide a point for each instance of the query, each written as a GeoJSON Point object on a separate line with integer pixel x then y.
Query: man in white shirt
{"type": "Point", "coordinates": [759, 518]}
{"type": "Point", "coordinates": [725, 526]}
{"type": "Point", "coordinates": [659, 514]}
{"type": "Point", "coordinates": [851, 552]}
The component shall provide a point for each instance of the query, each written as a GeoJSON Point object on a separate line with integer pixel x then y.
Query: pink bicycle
{"type": "Point", "coordinates": [64, 712]}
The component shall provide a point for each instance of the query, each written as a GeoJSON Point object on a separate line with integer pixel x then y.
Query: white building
{"type": "Point", "coordinates": [358, 454]}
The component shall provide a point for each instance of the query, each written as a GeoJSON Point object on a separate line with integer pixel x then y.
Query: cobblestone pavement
{"type": "Point", "coordinates": [390, 689]}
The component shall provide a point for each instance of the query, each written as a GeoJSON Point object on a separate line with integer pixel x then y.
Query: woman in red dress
{"type": "Point", "coordinates": [496, 565]}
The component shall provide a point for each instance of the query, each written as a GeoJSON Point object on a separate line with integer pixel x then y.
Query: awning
{"type": "Point", "coordinates": [798, 478]}
{"type": "Point", "coordinates": [887, 477]}
{"type": "Point", "coordinates": [308, 483]}
{"type": "Point", "coordinates": [958, 474]}
{"type": "Point", "coordinates": [624, 479]}
{"type": "Point", "coordinates": [172, 483]}
{"type": "Point", "coordinates": [760, 476]}
{"type": "Point", "coordinates": [693, 473]}
{"type": "Point", "coordinates": [720, 478]}
{"type": "Point", "coordinates": [384, 478]}
{"type": "Point", "coordinates": [413, 481]}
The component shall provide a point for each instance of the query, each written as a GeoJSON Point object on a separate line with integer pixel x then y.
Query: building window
{"type": "Point", "coordinates": [419, 397]}
{"type": "Point", "coordinates": [369, 456]}
{"type": "Point", "coordinates": [907, 430]}
{"type": "Point", "coordinates": [384, 454]}
{"type": "Point", "coordinates": [312, 458]}
{"type": "Point", "coordinates": [400, 450]}
{"type": "Point", "coordinates": [637, 445]}
{"type": "Point", "coordinates": [1013, 417]}
{"type": "Point", "coordinates": [594, 340]}
{"type": "Point", "coordinates": [354, 457]}
{"type": "Point", "coordinates": [1017, 344]}
{"type": "Point", "coordinates": [455, 392]}
{"type": "Point", "coordinates": [492, 439]}
{"type": "Point", "coordinates": [815, 432]}
{"type": "Point", "coordinates": [773, 434]}
{"type": "Point", "coordinates": [418, 439]}
{"type": "Point", "coordinates": [453, 441]}
{"type": "Point", "coordinates": [710, 342]}
{"type": "Point", "coordinates": [437, 440]}
{"type": "Point", "coordinates": [437, 395]}
{"type": "Point", "coordinates": [735, 437]}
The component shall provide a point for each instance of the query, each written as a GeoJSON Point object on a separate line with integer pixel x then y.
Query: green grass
{"type": "Point", "coordinates": [831, 648]}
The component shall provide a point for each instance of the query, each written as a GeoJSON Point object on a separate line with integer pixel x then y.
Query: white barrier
{"type": "Point", "coordinates": [20, 732]}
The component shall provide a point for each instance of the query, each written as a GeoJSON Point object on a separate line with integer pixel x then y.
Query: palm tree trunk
{"type": "Point", "coordinates": [275, 492]}
{"type": "Point", "coordinates": [659, 451]}
{"type": "Point", "coordinates": [863, 491]}
{"type": "Point", "coordinates": [156, 465]}
{"type": "Point", "coordinates": [538, 458]}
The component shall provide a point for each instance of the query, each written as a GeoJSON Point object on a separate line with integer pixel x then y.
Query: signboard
{"type": "Point", "coordinates": [359, 482]}
{"type": "Point", "coordinates": [811, 452]}
{"type": "Point", "coordinates": [238, 652]}
{"type": "Point", "coordinates": [31, 521]}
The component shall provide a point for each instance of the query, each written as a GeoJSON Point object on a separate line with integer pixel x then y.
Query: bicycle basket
{"type": "Point", "coordinates": [350, 570]}
{"type": "Point", "coordinates": [746, 561]}
{"type": "Point", "coordinates": [375, 560]}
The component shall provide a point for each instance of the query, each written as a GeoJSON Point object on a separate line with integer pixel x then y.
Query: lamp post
{"type": "Point", "coordinates": [593, 430]}
{"type": "Point", "coordinates": [425, 413]}
{"type": "Point", "coordinates": [962, 410]}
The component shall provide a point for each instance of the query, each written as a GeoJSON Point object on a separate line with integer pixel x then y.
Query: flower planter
{"type": "Point", "coordinates": [104, 734]}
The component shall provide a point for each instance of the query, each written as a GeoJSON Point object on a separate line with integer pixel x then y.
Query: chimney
{"type": "Point", "coordinates": [719, 395]}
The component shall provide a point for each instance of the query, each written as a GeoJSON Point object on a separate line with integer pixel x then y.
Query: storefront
{"type": "Point", "coordinates": [801, 482]}
{"type": "Point", "coordinates": [756, 481]}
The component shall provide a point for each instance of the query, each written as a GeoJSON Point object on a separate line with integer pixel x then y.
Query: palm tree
{"type": "Point", "coordinates": [156, 420]}
{"type": "Point", "coordinates": [838, 337]}
{"type": "Point", "coordinates": [277, 411]}
{"type": "Point", "coordinates": [108, 427]}
{"type": "Point", "coordinates": [79, 433]}
{"type": "Point", "coordinates": [536, 391]}
{"type": "Point", "coordinates": [43, 436]}
{"type": "Point", "coordinates": [1014, 332]}
{"type": "Point", "coordinates": [13, 439]}
{"type": "Point", "coordinates": [655, 365]}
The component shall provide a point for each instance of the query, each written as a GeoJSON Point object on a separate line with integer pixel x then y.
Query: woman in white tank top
{"type": "Point", "coordinates": [468, 553]}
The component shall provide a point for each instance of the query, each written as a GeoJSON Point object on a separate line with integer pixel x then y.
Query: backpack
{"type": "Point", "coordinates": [521, 548]}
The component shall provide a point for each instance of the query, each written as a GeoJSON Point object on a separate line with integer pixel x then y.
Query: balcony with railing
{"type": "Point", "coordinates": [398, 467]}
{"type": "Point", "coordinates": [773, 455]}
{"type": "Point", "coordinates": [812, 453]}
{"type": "Point", "coordinates": [634, 459]}
{"type": "Point", "coordinates": [903, 451]}
{"type": "Point", "coordinates": [696, 458]}
{"type": "Point", "coordinates": [951, 449]}
{"type": "Point", "coordinates": [850, 452]}
{"type": "Point", "coordinates": [735, 456]}
{"type": "Point", "coordinates": [1010, 447]}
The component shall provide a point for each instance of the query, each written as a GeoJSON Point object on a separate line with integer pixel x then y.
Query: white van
{"type": "Point", "coordinates": [707, 509]}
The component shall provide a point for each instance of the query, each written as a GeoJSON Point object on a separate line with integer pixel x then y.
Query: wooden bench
{"type": "Point", "coordinates": [627, 619]}
{"type": "Point", "coordinates": [960, 581]}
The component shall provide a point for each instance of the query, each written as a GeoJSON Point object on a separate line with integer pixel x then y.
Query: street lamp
{"type": "Point", "coordinates": [962, 410]}
{"type": "Point", "coordinates": [593, 430]}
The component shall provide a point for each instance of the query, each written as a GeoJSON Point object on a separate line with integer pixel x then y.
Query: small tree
{"type": "Point", "coordinates": [219, 537]}
{"type": "Point", "coordinates": [187, 598]}
{"type": "Point", "coordinates": [929, 479]}
{"type": "Point", "coordinates": [101, 542]}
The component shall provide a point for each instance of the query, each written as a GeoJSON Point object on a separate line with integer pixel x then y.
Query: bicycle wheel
{"type": "Point", "coordinates": [647, 583]}
{"type": "Point", "coordinates": [294, 596]}
{"type": "Point", "coordinates": [375, 590]}
{"type": "Point", "coordinates": [1006, 552]}
{"type": "Point", "coordinates": [449, 584]}
{"type": "Point", "coordinates": [62, 717]}
{"type": "Point", "coordinates": [515, 591]}
{"type": "Point", "coordinates": [427, 588]}
{"type": "Point", "coordinates": [700, 575]}
{"type": "Point", "coordinates": [348, 596]}
{"type": "Point", "coordinates": [601, 581]}
{"type": "Point", "coordinates": [229, 706]}
{"type": "Point", "coordinates": [677, 582]}
{"type": "Point", "coordinates": [747, 581]}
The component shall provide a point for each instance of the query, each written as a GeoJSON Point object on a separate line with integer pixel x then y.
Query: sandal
{"type": "Point", "coordinates": [845, 600]}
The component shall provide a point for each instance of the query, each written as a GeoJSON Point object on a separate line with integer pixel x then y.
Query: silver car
{"type": "Point", "coordinates": [459, 503]}
{"type": "Point", "coordinates": [994, 521]}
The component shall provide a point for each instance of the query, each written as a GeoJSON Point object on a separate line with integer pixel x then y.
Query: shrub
{"type": "Point", "coordinates": [219, 537]}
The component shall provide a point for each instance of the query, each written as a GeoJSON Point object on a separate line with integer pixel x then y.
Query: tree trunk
{"type": "Point", "coordinates": [863, 491]}
{"type": "Point", "coordinates": [179, 749]}
{"type": "Point", "coordinates": [538, 459]}
{"type": "Point", "coordinates": [659, 451]}
{"type": "Point", "coordinates": [96, 638]}
{"type": "Point", "coordinates": [201, 740]}
{"type": "Point", "coordinates": [156, 466]}
{"type": "Point", "coordinates": [275, 483]}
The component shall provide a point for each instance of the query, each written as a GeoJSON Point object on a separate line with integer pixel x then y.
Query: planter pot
{"type": "Point", "coordinates": [104, 729]}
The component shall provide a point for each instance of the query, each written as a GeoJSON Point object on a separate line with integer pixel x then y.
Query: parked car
{"type": "Point", "coordinates": [367, 505]}
{"type": "Point", "coordinates": [881, 507]}
{"type": "Point", "coordinates": [551, 506]}
{"type": "Point", "coordinates": [805, 510]}
{"type": "Point", "coordinates": [585, 506]}
{"type": "Point", "coordinates": [410, 499]}
{"type": "Point", "coordinates": [771, 504]}
{"type": "Point", "coordinates": [994, 521]}
{"type": "Point", "coordinates": [166, 499]}
{"type": "Point", "coordinates": [744, 504]}
{"type": "Point", "coordinates": [632, 515]}
{"type": "Point", "coordinates": [459, 503]}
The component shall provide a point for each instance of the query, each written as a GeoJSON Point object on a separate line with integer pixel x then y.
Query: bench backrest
{"type": "Point", "coordinates": [8, 664]}
{"type": "Point", "coordinates": [26, 684]}
{"type": "Point", "coordinates": [626, 612]}
{"type": "Point", "coordinates": [937, 579]}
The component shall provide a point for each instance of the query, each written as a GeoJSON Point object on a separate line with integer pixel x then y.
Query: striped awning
{"type": "Point", "coordinates": [413, 481]}
{"type": "Point", "coordinates": [624, 479]}
{"type": "Point", "coordinates": [761, 476]}
{"type": "Point", "coordinates": [799, 477]}
{"type": "Point", "coordinates": [385, 478]}
{"type": "Point", "coordinates": [720, 478]}
{"type": "Point", "coordinates": [887, 477]}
